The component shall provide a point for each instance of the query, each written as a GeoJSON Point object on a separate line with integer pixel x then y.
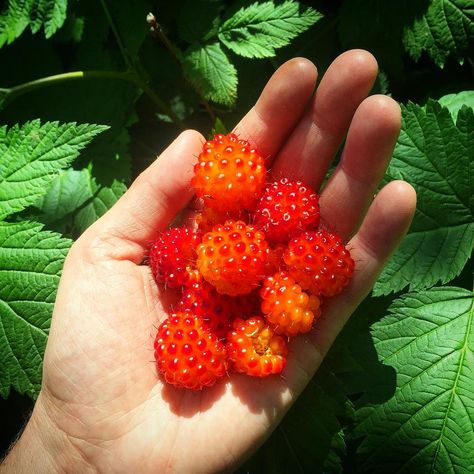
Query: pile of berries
{"type": "Point", "coordinates": [253, 273]}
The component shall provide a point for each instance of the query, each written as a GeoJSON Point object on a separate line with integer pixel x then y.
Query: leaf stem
{"type": "Point", "coordinates": [9, 94]}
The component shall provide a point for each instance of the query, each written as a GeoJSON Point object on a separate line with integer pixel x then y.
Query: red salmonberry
{"type": "Point", "coordinates": [232, 257]}
{"type": "Point", "coordinates": [286, 207]}
{"type": "Point", "coordinates": [319, 262]}
{"type": "Point", "coordinates": [172, 257]}
{"type": "Point", "coordinates": [287, 307]}
{"type": "Point", "coordinates": [254, 348]}
{"type": "Point", "coordinates": [187, 354]}
{"type": "Point", "coordinates": [218, 311]}
{"type": "Point", "coordinates": [229, 175]}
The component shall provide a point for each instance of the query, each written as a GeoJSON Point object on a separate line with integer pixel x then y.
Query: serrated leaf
{"type": "Point", "coordinates": [32, 154]}
{"type": "Point", "coordinates": [198, 20]}
{"type": "Point", "coordinates": [437, 158]}
{"type": "Point", "coordinates": [446, 28]}
{"type": "Point", "coordinates": [454, 102]}
{"type": "Point", "coordinates": [427, 424]}
{"type": "Point", "coordinates": [310, 437]}
{"type": "Point", "coordinates": [75, 200]}
{"type": "Point", "coordinates": [30, 264]}
{"type": "Point", "coordinates": [211, 73]}
{"type": "Point", "coordinates": [19, 14]}
{"type": "Point", "coordinates": [258, 30]}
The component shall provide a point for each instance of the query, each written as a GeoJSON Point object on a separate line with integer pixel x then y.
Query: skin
{"type": "Point", "coordinates": [102, 407]}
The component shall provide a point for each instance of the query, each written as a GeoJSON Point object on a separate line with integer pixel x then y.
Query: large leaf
{"type": "Point", "coordinates": [447, 28]}
{"type": "Point", "coordinates": [32, 154]}
{"type": "Point", "coordinates": [75, 200]}
{"type": "Point", "coordinates": [437, 157]}
{"type": "Point", "coordinates": [428, 424]}
{"type": "Point", "coordinates": [310, 438]}
{"type": "Point", "coordinates": [211, 73]}
{"type": "Point", "coordinates": [19, 14]}
{"type": "Point", "coordinates": [256, 31]}
{"type": "Point", "coordinates": [30, 264]}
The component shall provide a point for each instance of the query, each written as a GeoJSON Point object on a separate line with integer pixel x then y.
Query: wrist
{"type": "Point", "coordinates": [43, 448]}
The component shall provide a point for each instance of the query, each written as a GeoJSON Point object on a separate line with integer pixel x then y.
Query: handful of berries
{"type": "Point", "coordinates": [253, 274]}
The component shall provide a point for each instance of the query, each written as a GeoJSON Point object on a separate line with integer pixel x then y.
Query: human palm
{"type": "Point", "coordinates": [101, 388]}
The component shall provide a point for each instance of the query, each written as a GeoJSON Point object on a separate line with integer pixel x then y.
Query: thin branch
{"type": "Point", "coordinates": [158, 33]}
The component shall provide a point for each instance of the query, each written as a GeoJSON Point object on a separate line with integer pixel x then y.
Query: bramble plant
{"type": "Point", "coordinates": [92, 91]}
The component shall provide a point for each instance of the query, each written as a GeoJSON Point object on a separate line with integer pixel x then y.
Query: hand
{"type": "Point", "coordinates": [102, 405]}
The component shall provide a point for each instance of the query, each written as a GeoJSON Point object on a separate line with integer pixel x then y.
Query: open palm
{"type": "Point", "coordinates": [101, 390]}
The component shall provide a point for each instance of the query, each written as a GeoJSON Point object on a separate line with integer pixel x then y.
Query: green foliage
{"type": "Point", "coordinates": [211, 73]}
{"type": "Point", "coordinates": [30, 156]}
{"type": "Point", "coordinates": [436, 156]}
{"type": "Point", "coordinates": [19, 14]}
{"type": "Point", "coordinates": [426, 426]}
{"type": "Point", "coordinates": [30, 266]}
{"type": "Point", "coordinates": [31, 259]}
{"type": "Point", "coordinates": [202, 66]}
{"type": "Point", "coordinates": [75, 200]}
{"type": "Point", "coordinates": [258, 30]}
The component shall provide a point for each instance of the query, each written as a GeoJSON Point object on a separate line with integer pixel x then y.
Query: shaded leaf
{"type": "Point", "coordinates": [75, 200]}
{"type": "Point", "coordinates": [427, 425]}
{"type": "Point", "coordinates": [446, 29]}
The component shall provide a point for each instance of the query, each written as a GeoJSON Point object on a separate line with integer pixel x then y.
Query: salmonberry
{"type": "Point", "coordinates": [286, 207]}
{"type": "Point", "coordinates": [255, 349]}
{"type": "Point", "coordinates": [232, 257]}
{"type": "Point", "coordinates": [187, 354]}
{"type": "Point", "coordinates": [287, 307]}
{"type": "Point", "coordinates": [218, 311]}
{"type": "Point", "coordinates": [319, 262]}
{"type": "Point", "coordinates": [172, 257]}
{"type": "Point", "coordinates": [229, 175]}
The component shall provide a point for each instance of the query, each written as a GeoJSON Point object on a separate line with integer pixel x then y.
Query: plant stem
{"type": "Point", "coordinates": [139, 78]}
{"type": "Point", "coordinates": [12, 93]}
{"type": "Point", "coordinates": [123, 50]}
{"type": "Point", "coordinates": [158, 33]}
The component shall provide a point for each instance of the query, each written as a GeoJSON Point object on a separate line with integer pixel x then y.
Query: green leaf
{"type": "Point", "coordinates": [446, 29]}
{"type": "Point", "coordinates": [437, 158]}
{"type": "Point", "coordinates": [211, 73]}
{"type": "Point", "coordinates": [32, 154]}
{"type": "Point", "coordinates": [19, 14]}
{"type": "Point", "coordinates": [427, 425]}
{"type": "Point", "coordinates": [198, 20]}
{"type": "Point", "coordinates": [258, 30]}
{"type": "Point", "coordinates": [310, 437]}
{"type": "Point", "coordinates": [30, 264]}
{"type": "Point", "coordinates": [75, 200]}
{"type": "Point", "coordinates": [454, 102]}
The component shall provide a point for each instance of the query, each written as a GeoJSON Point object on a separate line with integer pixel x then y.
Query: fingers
{"type": "Point", "coordinates": [314, 142]}
{"type": "Point", "coordinates": [384, 226]}
{"type": "Point", "coordinates": [153, 200]}
{"type": "Point", "coordinates": [372, 135]}
{"type": "Point", "coordinates": [279, 107]}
